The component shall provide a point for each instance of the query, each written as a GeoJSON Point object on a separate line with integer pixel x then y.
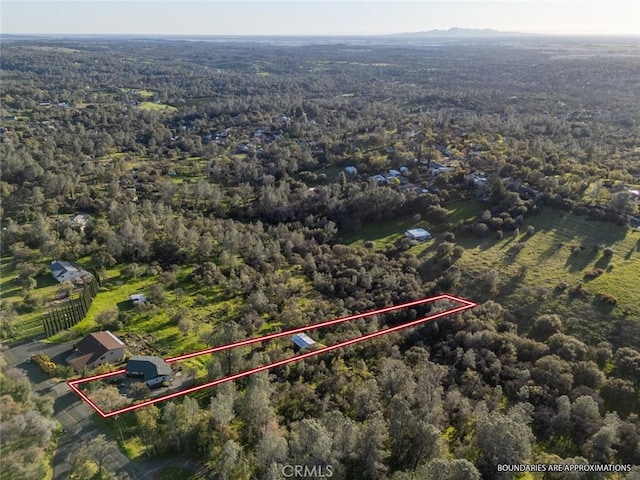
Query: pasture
{"type": "Point", "coordinates": [585, 271]}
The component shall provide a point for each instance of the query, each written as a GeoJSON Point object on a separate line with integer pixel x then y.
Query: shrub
{"type": "Point", "coordinates": [108, 319]}
{"type": "Point", "coordinates": [606, 298]}
{"type": "Point", "coordinates": [579, 291]}
{"type": "Point", "coordinates": [200, 300]}
{"type": "Point", "coordinates": [480, 230]}
{"type": "Point", "coordinates": [449, 237]}
{"type": "Point", "coordinates": [45, 363]}
{"type": "Point", "coordinates": [490, 280]}
{"type": "Point", "coordinates": [496, 223]}
{"type": "Point", "coordinates": [607, 252]}
{"type": "Point", "coordinates": [64, 371]}
{"type": "Point", "coordinates": [156, 294]}
{"type": "Point", "coordinates": [596, 272]}
{"type": "Point", "coordinates": [530, 230]}
{"type": "Point", "coordinates": [437, 214]}
{"type": "Point", "coordinates": [445, 249]}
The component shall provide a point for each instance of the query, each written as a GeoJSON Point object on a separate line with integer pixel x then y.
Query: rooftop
{"type": "Point", "coordinates": [302, 340]}
{"type": "Point", "coordinates": [92, 347]}
{"type": "Point", "coordinates": [418, 232]}
{"type": "Point", "coordinates": [148, 366]}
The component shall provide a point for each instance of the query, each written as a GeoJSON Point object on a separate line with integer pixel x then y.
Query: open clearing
{"type": "Point", "coordinates": [562, 250]}
{"type": "Point", "coordinates": [156, 106]}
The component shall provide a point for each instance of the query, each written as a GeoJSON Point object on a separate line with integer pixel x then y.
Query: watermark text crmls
{"type": "Point", "coordinates": [307, 471]}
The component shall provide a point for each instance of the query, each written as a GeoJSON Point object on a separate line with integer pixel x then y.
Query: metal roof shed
{"type": "Point", "coordinates": [302, 340]}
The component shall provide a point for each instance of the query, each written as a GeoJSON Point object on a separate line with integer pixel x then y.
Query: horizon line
{"type": "Point", "coordinates": [449, 34]}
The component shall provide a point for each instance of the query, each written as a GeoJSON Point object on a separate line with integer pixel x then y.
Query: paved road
{"type": "Point", "coordinates": [78, 419]}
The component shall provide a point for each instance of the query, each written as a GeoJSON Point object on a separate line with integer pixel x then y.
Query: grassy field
{"type": "Point", "coordinates": [114, 292]}
{"type": "Point", "coordinates": [156, 106]}
{"type": "Point", "coordinates": [562, 250]}
{"type": "Point", "coordinates": [142, 92]}
{"type": "Point", "coordinates": [387, 232]}
{"type": "Point", "coordinates": [560, 253]}
{"type": "Point", "coordinates": [27, 324]}
{"type": "Point", "coordinates": [153, 322]}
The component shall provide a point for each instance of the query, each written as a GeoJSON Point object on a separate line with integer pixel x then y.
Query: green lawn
{"type": "Point", "coordinates": [549, 258]}
{"type": "Point", "coordinates": [27, 324]}
{"type": "Point", "coordinates": [465, 210]}
{"type": "Point", "coordinates": [387, 232]}
{"type": "Point", "coordinates": [142, 92]}
{"type": "Point", "coordinates": [156, 106]}
{"type": "Point", "coordinates": [530, 267]}
{"type": "Point", "coordinates": [114, 290]}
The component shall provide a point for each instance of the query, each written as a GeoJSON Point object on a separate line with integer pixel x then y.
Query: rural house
{"type": "Point", "coordinates": [96, 349]}
{"type": "Point", "coordinates": [154, 370]}
{"type": "Point", "coordinates": [67, 271]}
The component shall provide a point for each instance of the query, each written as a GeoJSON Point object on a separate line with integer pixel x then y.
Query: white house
{"type": "Point", "coordinates": [81, 220]}
{"type": "Point", "coordinates": [417, 234]}
{"type": "Point", "coordinates": [67, 272]}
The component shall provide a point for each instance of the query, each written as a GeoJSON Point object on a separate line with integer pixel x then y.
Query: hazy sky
{"type": "Point", "coordinates": [313, 17]}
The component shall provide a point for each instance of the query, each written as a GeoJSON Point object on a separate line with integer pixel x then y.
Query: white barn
{"type": "Point", "coordinates": [418, 234]}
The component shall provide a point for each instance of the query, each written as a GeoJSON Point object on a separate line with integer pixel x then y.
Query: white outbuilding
{"type": "Point", "coordinates": [417, 234]}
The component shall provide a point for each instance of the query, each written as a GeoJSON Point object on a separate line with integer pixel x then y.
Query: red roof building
{"type": "Point", "coordinates": [96, 349]}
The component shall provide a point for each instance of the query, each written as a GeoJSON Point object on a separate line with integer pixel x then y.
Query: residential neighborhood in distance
{"type": "Point", "coordinates": [357, 257]}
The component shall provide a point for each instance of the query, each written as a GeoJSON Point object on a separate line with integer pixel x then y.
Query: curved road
{"type": "Point", "coordinates": [77, 419]}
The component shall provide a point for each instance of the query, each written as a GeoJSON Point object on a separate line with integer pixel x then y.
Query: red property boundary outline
{"type": "Point", "coordinates": [466, 304]}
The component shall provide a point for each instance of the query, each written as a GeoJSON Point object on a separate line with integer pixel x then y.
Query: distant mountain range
{"type": "Point", "coordinates": [457, 32]}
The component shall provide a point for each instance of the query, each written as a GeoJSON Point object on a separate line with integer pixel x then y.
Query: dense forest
{"type": "Point", "coordinates": [247, 188]}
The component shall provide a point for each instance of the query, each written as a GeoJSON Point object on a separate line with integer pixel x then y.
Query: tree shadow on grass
{"type": "Point", "coordinates": [5, 293]}
{"type": "Point", "coordinates": [516, 248]}
{"type": "Point", "coordinates": [603, 307]}
{"type": "Point", "coordinates": [631, 251]}
{"type": "Point", "coordinates": [512, 285]}
{"type": "Point", "coordinates": [125, 306]}
{"type": "Point", "coordinates": [579, 261]}
{"type": "Point", "coordinates": [430, 250]}
{"type": "Point", "coordinates": [506, 244]}
{"type": "Point", "coordinates": [603, 262]}
{"type": "Point", "coordinates": [45, 281]}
